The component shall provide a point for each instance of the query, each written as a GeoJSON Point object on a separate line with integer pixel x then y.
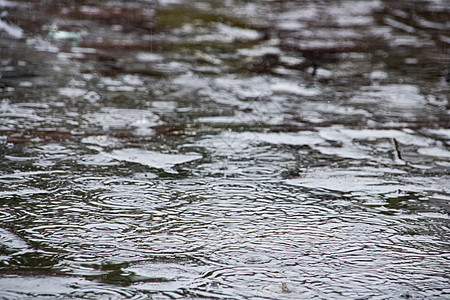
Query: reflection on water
{"type": "Point", "coordinates": [238, 149]}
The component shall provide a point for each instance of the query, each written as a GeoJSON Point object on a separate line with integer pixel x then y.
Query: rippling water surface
{"type": "Point", "coordinates": [229, 149]}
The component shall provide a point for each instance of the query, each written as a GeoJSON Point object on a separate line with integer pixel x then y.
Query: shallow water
{"type": "Point", "coordinates": [237, 149]}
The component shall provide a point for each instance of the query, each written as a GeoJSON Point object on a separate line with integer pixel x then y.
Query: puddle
{"type": "Point", "coordinates": [227, 150]}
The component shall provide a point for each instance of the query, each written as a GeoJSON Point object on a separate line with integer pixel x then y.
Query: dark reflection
{"type": "Point", "coordinates": [235, 150]}
{"type": "Point", "coordinates": [32, 262]}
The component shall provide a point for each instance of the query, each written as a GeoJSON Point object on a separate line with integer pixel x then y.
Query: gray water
{"type": "Point", "coordinates": [224, 149]}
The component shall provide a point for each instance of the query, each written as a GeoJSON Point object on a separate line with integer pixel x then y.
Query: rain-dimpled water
{"type": "Point", "coordinates": [231, 149]}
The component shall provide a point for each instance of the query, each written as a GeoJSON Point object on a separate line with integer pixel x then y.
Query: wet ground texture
{"type": "Point", "coordinates": [224, 149]}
